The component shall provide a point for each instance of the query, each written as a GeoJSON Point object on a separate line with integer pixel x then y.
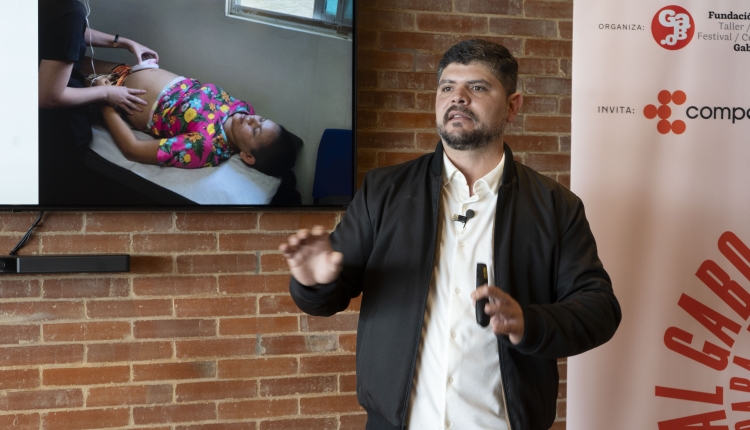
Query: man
{"type": "Point", "coordinates": [422, 360]}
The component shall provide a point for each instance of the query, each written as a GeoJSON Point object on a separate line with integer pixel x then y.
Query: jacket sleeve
{"type": "Point", "coordinates": [586, 312]}
{"type": "Point", "coordinates": [353, 237]}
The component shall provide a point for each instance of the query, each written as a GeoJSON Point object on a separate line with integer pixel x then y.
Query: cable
{"type": "Point", "coordinates": [91, 44]}
{"type": "Point", "coordinates": [26, 237]}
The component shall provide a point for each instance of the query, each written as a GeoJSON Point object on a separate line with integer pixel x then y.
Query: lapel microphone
{"type": "Point", "coordinates": [463, 218]}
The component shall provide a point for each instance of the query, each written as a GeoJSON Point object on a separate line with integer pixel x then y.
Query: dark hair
{"type": "Point", "coordinates": [496, 57]}
{"type": "Point", "coordinates": [278, 156]}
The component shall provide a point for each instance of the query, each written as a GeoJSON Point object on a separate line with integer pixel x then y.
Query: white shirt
{"type": "Point", "coordinates": [457, 383]}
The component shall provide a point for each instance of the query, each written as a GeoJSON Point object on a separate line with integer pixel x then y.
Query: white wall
{"type": "Point", "coordinates": [302, 81]}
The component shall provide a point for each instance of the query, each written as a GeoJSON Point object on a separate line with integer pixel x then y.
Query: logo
{"type": "Point", "coordinates": [673, 27]}
{"type": "Point", "coordinates": [664, 112]}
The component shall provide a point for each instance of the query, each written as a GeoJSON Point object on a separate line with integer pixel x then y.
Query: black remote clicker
{"type": "Point", "coordinates": [482, 318]}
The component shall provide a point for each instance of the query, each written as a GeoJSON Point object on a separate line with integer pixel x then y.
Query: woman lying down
{"type": "Point", "coordinates": [194, 125]}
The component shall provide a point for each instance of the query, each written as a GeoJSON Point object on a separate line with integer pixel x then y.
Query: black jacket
{"type": "Point", "coordinates": [544, 256]}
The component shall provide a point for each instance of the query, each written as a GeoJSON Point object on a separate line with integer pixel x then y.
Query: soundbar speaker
{"type": "Point", "coordinates": [64, 263]}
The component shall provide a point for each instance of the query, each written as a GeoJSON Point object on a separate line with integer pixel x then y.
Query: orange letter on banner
{"type": "Point", "coordinates": [710, 319]}
{"type": "Point", "coordinates": [741, 261]}
{"type": "Point", "coordinates": [712, 355]}
{"type": "Point", "coordinates": [739, 384]}
{"type": "Point", "coordinates": [741, 406]}
{"type": "Point", "coordinates": [742, 362]}
{"type": "Point", "coordinates": [695, 396]}
{"type": "Point", "coordinates": [688, 423]}
{"type": "Point", "coordinates": [742, 425]}
{"type": "Point", "coordinates": [728, 290]}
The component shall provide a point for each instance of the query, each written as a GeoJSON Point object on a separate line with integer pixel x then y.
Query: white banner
{"type": "Point", "coordinates": [661, 159]}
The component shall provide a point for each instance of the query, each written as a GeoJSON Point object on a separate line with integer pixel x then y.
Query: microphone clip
{"type": "Point", "coordinates": [463, 218]}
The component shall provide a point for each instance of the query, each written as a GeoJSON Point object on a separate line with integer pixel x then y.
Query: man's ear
{"type": "Point", "coordinates": [247, 158]}
{"type": "Point", "coordinates": [515, 101]}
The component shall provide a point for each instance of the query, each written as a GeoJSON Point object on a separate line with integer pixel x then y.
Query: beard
{"type": "Point", "coordinates": [461, 140]}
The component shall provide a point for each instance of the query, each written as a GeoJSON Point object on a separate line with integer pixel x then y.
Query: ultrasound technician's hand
{"type": "Point", "coordinates": [310, 257]}
{"type": "Point", "coordinates": [141, 52]}
{"type": "Point", "coordinates": [506, 315]}
{"type": "Point", "coordinates": [123, 97]}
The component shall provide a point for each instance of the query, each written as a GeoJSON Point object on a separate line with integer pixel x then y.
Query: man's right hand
{"type": "Point", "coordinates": [310, 257]}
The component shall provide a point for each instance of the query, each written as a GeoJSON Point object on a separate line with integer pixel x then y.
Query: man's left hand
{"type": "Point", "coordinates": [506, 316]}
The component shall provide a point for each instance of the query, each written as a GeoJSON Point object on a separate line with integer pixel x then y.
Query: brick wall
{"type": "Point", "coordinates": [202, 333]}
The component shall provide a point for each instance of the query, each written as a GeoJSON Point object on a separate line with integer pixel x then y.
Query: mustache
{"type": "Point", "coordinates": [463, 110]}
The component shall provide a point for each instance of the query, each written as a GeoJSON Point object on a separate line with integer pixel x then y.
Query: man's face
{"type": "Point", "coordinates": [471, 107]}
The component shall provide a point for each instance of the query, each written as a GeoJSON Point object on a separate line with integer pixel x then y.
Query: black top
{"type": "Point", "coordinates": [62, 24]}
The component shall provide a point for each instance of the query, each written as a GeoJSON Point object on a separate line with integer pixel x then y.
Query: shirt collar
{"type": "Point", "coordinates": [489, 182]}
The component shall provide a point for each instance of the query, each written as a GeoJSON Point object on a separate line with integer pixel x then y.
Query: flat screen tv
{"type": "Point", "coordinates": [293, 64]}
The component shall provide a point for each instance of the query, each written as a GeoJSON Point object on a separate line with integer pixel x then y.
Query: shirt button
{"type": "Point", "coordinates": [450, 380]}
{"type": "Point", "coordinates": [460, 244]}
{"type": "Point", "coordinates": [458, 291]}
{"type": "Point", "coordinates": [453, 334]}
{"type": "Point", "coordinates": [447, 423]}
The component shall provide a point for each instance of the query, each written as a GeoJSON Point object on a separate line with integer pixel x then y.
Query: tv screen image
{"type": "Point", "coordinates": [209, 133]}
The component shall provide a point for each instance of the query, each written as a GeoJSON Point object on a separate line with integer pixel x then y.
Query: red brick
{"type": "Point", "coordinates": [385, 100]}
{"type": "Point", "coordinates": [420, 5]}
{"type": "Point", "coordinates": [372, 59]}
{"type": "Point", "coordinates": [562, 407]}
{"type": "Point", "coordinates": [427, 141]}
{"type": "Point", "coordinates": [87, 419]}
{"type": "Point", "coordinates": [348, 383]}
{"type": "Point", "coordinates": [420, 41]}
{"type": "Point", "coordinates": [86, 288]}
{"type": "Point", "coordinates": [257, 367]}
{"type": "Point", "coordinates": [244, 284]}
{"type": "Point", "coordinates": [366, 39]}
{"type": "Point", "coordinates": [565, 144]}
{"type": "Point", "coordinates": [253, 409]}
{"type": "Point", "coordinates": [427, 62]}
{"type": "Point", "coordinates": [539, 105]}
{"type": "Point", "coordinates": [273, 263]}
{"type": "Point", "coordinates": [548, 124]}
{"type": "Point", "coordinates": [51, 222]}
{"type": "Point", "coordinates": [566, 67]}
{"type": "Point", "coordinates": [451, 23]}
{"type": "Point", "coordinates": [366, 159]}
{"type": "Point", "coordinates": [86, 375]}
{"type": "Point", "coordinates": [215, 348]}
{"type": "Point", "coordinates": [392, 158]}
{"type": "Point", "coordinates": [302, 424]}
{"type": "Point", "coordinates": [384, 20]}
{"type": "Point", "coordinates": [170, 371]}
{"type": "Point", "coordinates": [292, 221]}
{"type": "Point", "coordinates": [385, 140]}
{"type": "Point", "coordinates": [215, 390]}
{"type": "Point", "coordinates": [340, 322]}
{"type": "Point", "coordinates": [251, 241]}
{"type": "Point", "coordinates": [538, 66]}
{"type": "Point", "coordinates": [211, 222]}
{"type": "Point", "coordinates": [562, 391]}
{"type": "Point", "coordinates": [279, 387]}
{"type": "Point", "coordinates": [366, 119]}
{"type": "Point", "coordinates": [152, 329]}
{"type": "Point", "coordinates": [494, 7]}
{"type": "Point", "coordinates": [216, 263]}
{"type": "Point", "coordinates": [129, 308]}
{"type": "Point", "coordinates": [209, 307]}
{"type": "Point", "coordinates": [15, 379]}
{"type": "Point", "coordinates": [327, 364]}
{"type": "Point", "coordinates": [566, 29]}
{"type": "Point", "coordinates": [562, 368]}
{"type": "Point", "coordinates": [130, 395]}
{"type": "Point", "coordinates": [32, 248]}
{"type": "Point", "coordinates": [366, 79]}
{"type": "Point", "coordinates": [179, 242]}
{"type": "Point", "coordinates": [532, 143]}
{"type": "Point", "coordinates": [82, 243]}
{"type": "Point", "coordinates": [150, 264]}
{"type": "Point", "coordinates": [174, 285]}
{"type": "Point", "coordinates": [259, 325]}
{"type": "Point", "coordinates": [556, 86]}
{"type": "Point", "coordinates": [406, 120]}
{"type": "Point", "coordinates": [348, 342]}
{"type": "Point", "coordinates": [558, 425]}
{"type": "Point", "coordinates": [329, 404]}
{"type": "Point", "coordinates": [564, 180]}
{"type": "Point", "coordinates": [43, 399]}
{"type": "Point", "coordinates": [128, 352]}
{"type": "Point", "coordinates": [74, 332]}
{"type": "Point", "coordinates": [353, 422]}
{"type": "Point", "coordinates": [277, 304]}
{"type": "Point", "coordinates": [122, 222]}
{"type": "Point", "coordinates": [14, 289]}
{"type": "Point", "coordinates": [295, 344]}
{"type": "Point", "coordinates": [549, 162]}
{"type": "Point", "coordinates": [33, 355]}
{"type": "Point", "coordinates": [41, 311]}
{"type": "Point", "coordinates": [408, 81]}
{"type": "Point", "coordinates": [19, 334]}
{"type": "Point", "coordinates": [219, 426]}
{"type": "Point", "coordinates": [523, 27]}
{"type": "Point", "coordinates": [514, 44]}
{"type": "Point", "coordinates": [565, 106]}
{"type": "Point", "coordinates": [548, 9]}
{"type": "Point", "coordinates": [426, 102]}
{"type": "Point", "coordinates": [174, 413]}
{"type": "Point", "coordinates": [549, 48]}
{"type": "Point", "coordinates": [20, 422]}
